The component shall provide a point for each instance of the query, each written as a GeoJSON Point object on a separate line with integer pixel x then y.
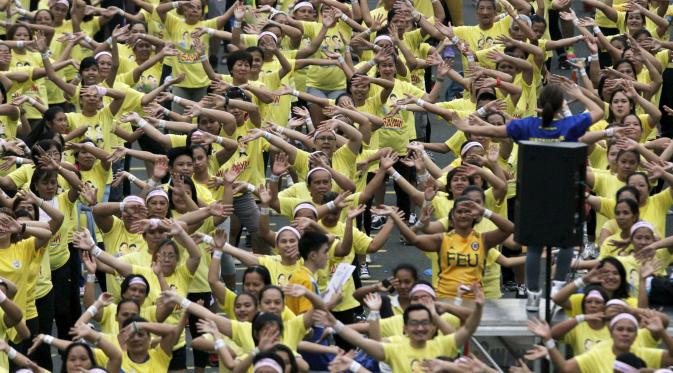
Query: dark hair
{"type": "Point", "coordinates": [42, 130]}
{"type": "Point", "coordinates": [87, 63]}
{"type": "Point", "coordinates": [40, 175]}
{"type": "Point", "coordinates": [127, 282]}
{"type": "Point", "coordinates": [453, 173]}
{"type": "Point", "coordinates": [622, 291]}
{"type": "Point", "coordinates": [174, 153]}
{"type": "Point", "coordinates": [534, 18]}
{"type": "Point", "coordinates": [637, 173]}
{"type": "Point", "coordinates": [123, 302]}
{"type": "Point", "coordinates": [415, 307]}
{"type": "Point", "coordinates": [260, 270]}
{"type": "Point", "coordinates": [239, 55]}
{"type": "Point", "coordinates": [168, 242]}
{"type": "Point", "coordinates": [460, 199]}
{"type": "Point", "coordinates": [625, 151]}
{"type": "Point", "coordinates": [271, 287]}
{"type": "Point", "coordinates": [256, 49]}
{"type": "Point", "coordinates": [263, 319]}
{"type": "Point", "coordinates": [310, 242]}
{"type": "Point", "coordinates": [15, 206]}
{"type": "Point", "coordinates": [23, 214]}
{"type": "Point", "coordinates": [89, 353]}
{"type": "Point", "coordinates": [488, 1]}
{"type": "Point", "coordinates": [131, 320]}
{"type": "Point", "coordinates": [621, 62]}
{"type": "Point", "coordinates": [475, 188]}
{"type": "Point", "coordinates": [633, 206]}
{"type": "Point", "coordinates": [550, 101]}
{"type": "Point", "coordinates": [44, 145]}
{"type": "Point", "coordinates": [235, 93]}
{"type": "Point", "coordinates": [631, 359]}
{"type": "Point", "coordinates": [188, 182]}
{"type": "Point", "coordinates": [627, 188]}
{"type": "Point", "coordinates": [642, 31]}
{"type": "Point", "coordinates": [345, 94]}
{"type": "Point", "coordinates": [43, 10]}
{"type": "Point", "coordinates": [13, 28]}
{"type": "Point", "coordinates": [283, 348]}
{"type": "Point", "coordinates": [632, 103]}
{"type": "Point", "coordinates": [486, 96]}
{"type": "Point", "coordinates": [591, 288]}
{"type": "Point", "coordinates": [406, 267]}
{"type": "Point", "coordinates": [249, 294]}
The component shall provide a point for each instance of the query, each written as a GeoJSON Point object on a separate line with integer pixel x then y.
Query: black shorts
{"type": "Point", "coordinates": [179, 359]}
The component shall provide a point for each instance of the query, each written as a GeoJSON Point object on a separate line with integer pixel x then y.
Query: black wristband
{"type": "Point", "coordinates": [23, 228]}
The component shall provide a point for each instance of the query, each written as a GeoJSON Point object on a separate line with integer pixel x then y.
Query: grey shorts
{"type": "Point", "coordinates": [325, 94]}
{"type": "Point", "coordinates": [247, 212]}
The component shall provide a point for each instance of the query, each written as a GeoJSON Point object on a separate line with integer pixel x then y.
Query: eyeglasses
{"type": "Point", "coordinates": [416, 323]}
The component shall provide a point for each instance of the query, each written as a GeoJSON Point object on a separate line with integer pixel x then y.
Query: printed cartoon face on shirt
{"type": "Point", "coordinates": [394, 122]}
{"type": "Point", "coordinates": [146, 83]}
{"type": "Point", "coordinates": [484, 42]}
{"type": "Point", "coordinates": [281, 280]}
{"type": "Point", "coordinates": [95, 133]}
{"type": "Point", "coordinates": [186, 52]}
{"type": "Point", "coordinates": [3, 126]}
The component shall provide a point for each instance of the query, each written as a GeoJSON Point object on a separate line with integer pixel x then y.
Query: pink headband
{"type": "Point", "coordinates": [594, 294]}
{"type": "Point", "coordinates": [470, 145]}
{"type": "Point", "coordinates": [303, 4]}
{"type": "Point", "coordinates": [641, 224]}
{"type": "Point", "coordinates": [305, 205]}
{"type": "Point", "coordinates": [103, 53]}
{"type": "Point", "coordinates": [423, 287]}
{"type": "Point", "coordinates": [268, 363]}
{"type": "Point", "coordinates": [317, 169]}
{"type": "Point", "coordinates": [616, 302]}
{"type": "Point", "coordinates": [268, 33]}
{"type": "Point", "coordinates": [623, 367]}
{"type": "Point", "coordinates": [287, 228]}
{"type": "Point", "coordinates": [382, 38]}
{"type": "Point", "coordinates": [62, 2]}
{"type": "Point", "coordinates": [137, 281]}
{"type": "Point", "coordinates": [156, 193]}
{"type": "Point", "coordinates": [623, 316]}
{"type": "Point", "coordinates": [135, 199]}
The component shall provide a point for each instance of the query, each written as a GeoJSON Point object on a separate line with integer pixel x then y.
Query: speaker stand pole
{"type": "Point", "coordinates": [546, 366]}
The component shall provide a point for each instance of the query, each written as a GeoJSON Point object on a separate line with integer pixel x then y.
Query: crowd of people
{"type": "Point", "coordinates": [269, 132]}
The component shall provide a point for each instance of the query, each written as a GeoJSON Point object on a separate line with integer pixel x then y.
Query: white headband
{"type": "Point", "coordinates": [303, 4]}
{"type": "Point", "coordinates": [317, 169]}
{"type": "Point", "coordinates": [268, 363]}
{"type": "Point", "coordinates": [616, 302]}
{"type": "Point", "coordinates": [525, 18]}
{"type": "Point", "coordinates": [594, 294]}
{"type": "Point", "coordinates": [135, 199]}
{"type": "Point", "coordinates": [425, 288]}
{"type": "Point", "coordinates": [268, 33]}
{"type": "Point", "coordinates": [623, 316]}
{"type": "Point", "coordinates": [290, 229]}
{"type": "Point", "coordinates": [137, 281]}
{"type": "Point", "coordinates": [103, 53]}
{"type": "Point", "coordinates": [156, 193]}
{"type": "Point", "coordinates": [383, 37]}
{"type": "Point", "coordinates": [62, 2]}
{"type": "Point", "coordinates": [305, 205]}
{"type": "Point", "coordinates": [641, 224]}
{"type": "Point", "coordinates": [470, 145]}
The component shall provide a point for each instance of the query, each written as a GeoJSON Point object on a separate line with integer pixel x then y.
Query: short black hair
{"type": "Point", "coordinates": [239, 55]}
{"type": "Point", "coordinates": [127, 281]}
{"type": "Point", "coordinates": [262, 319]}
{"type": "Point", "coordinates": [406, 267]}
{"type": "Point", "coordinates": [123, 302]}
{"type": "Point", "coordinates": [414, 307]}
{"type": "Point", "coordinates": [310, 242]}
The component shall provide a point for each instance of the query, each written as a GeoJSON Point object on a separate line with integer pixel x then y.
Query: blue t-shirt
{"type": "Point", "coordinates": [568, 129]}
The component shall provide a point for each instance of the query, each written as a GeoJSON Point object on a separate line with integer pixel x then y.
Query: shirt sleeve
{"type": "Point", "coordinates": [516, 129]}
{"type": "Point", "coordinates": [581, 124]}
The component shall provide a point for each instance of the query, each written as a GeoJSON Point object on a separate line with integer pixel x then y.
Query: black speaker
{"type": "Point", "coordinates": [550, 193]}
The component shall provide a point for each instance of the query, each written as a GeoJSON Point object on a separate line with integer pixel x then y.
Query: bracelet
{"type": "Point", "coordinates": [121, 206]}
{"type": "Point", "coordinates": [237, 24]}
{"type": "Point", "coordinates": [20, 44]}
{"type": "Point", "coordinates": [420, 102]}
{"type": "Point", "coordinates": [339, 326]}
{"type": "Point", "coordinates": [487, 213]}
{"type": "Point", "coordinates": [458, 301]}
{"type": "Point", "coordinates": [309, 122]}
{"type": "Point", "coordinates": [470, 58]}
{"type": "Point", "coordinates": [274, 178]}
{"type": "Point", "coordinates": [579, 283]}
{"type": "Point", "coordinates": [210, 31]}
{"type": "Point", "coordinates": [151, 182]}
{"type": "Point", "coordinates": [396, 175]}
{"type": "Point", "coordinates": [11, 353]}
{"type": "Point", "coordinates": [416, 15]}
{"type": "Point", "coordinates": [597, 30]}
{"type": "Point", "coordinates": [295, 93]}
{"type": "Point", "coordinates": [219, 140]}
{"type": "Point", "coordinates": [91, 278]}
{"type": "Point", "coordinates": [175, 4]}
{"type": "Point", "coordinates": [96, 251]}
{"type": "Point", "coordinates": [482, 112]}
{"type": "Point", "coordinates": [254, 352]}
{"type": "Point", "coordinates": [203, 58]}
{"type": "Point", "coordinates": [403, 107]}
{"type": "Point", "coordinates": [217, 254]}
{"type": "Point", "coordinates": [185, 303]}
{"type": "Point", "coordinates": [162, 124]}
{"type": "Point", "coordinates": [567, 112]}
{"type": "Point", "coordinates": [423, 177]}
{"type": "Point", "coordinates": [331, 206]}
{"type": "Point", "coordinates": [219, 344]}
{"type": "Point", "coordinates": [594, 57]}
{"type": "Point", "coordinates": [355, 366]}
{"type": "Point", "coordinates": [177, 99]}
{"type": "Point", "coordinates": [579, 318]}
{"type": "Point", "coordinates": [92, 310]}
{"type": "Point", "coordinates": [251, 188]}
{"type": "Point", "coordinates": [374, 315]}
{"type": "Point", "coordinates": [32, 101]}
{"type": "Point", "coordinates": [610, 132]}
{"type": "Point", "coordinates": [583, 72]}
{"type": "Point", "coordinates": [47, 339]}
{"type": "Point", "coordinates": [550, 344]}
{"type": "Point", "coordinates": [264, 211]}
{"type": "Point", "coordinates": [19, 161]}
{"type": "Point", "coordinates": [88, 39]}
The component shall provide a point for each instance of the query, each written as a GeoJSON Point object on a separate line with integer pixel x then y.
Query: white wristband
{"type": "Point", "coordinates": [371, 63]}
{"type": "Point", "coordinates": [251, 188]}
{"type": "Point", "coordinates": [162, 124]}
{"type": "Point", "coordinates": [92, 310]}
{"type": "Point", "coordinates": [47, 339]}
{"type": "Point", "coordinates": [579, 283]}
{"type": "Point", "coordinates": [219, 344]}
{"type": "Point", "coordinates": [217, 254]}
{"type": "Point", "coordinates": [219, 140]}
{"type": "Point", "coordinates": [132, 178]}
{"type": "Point", "coordinates": [550, 344]}
{"type": "Point", "coordinates": [177, 99]}
{"type": "Point", "coordinates": [455, 40]}
{"type": "Point", "coordinates": [567, 112]}
{"type": "Point", "coordinates": [338, 327]}
{"type": "Point", "coordinates": [120, 12]}
{"type": "Point", "coordinates": [482, 112]}
{"type": "Point", "coordinates": [470, 58]}
{"type": "Point", "coordinates": [594, 56]}
{"type": "Point", "coordinates": [274, 178]}
{"type": "Point", "coordinates": [579, 318]}
{"type": "Point", "coordinates": [267, 135]}
{"type": "Point", "coordinates": [374, 315]}
{"type": "Point", "coordinates": [341, 60]}
{"type": "Point", "coordinates": [344, 17]}
{"type": "Point", "coordinates": [96, 251]}
{"type": "Point", "coordinates": [101, 91]}
{"type": "Point", "coordinates": [458, 301]}
{"type": "Point", "coordinates": [610, 132]}
{"type": "Point", "coordinates": [295, 93]}
{"type": "Point", "coordinates": [3, 297]}
{"type": "Point", "coordinates": [210, 31]}
{"type": "Point", "coordinates": [167, 112]}
{"type": "Point", "coordinates": [208, 239]}
{"type": "Point", "coordinates": [142, 123]}
{"type": "Point", "coordinates": [420, 102]}
{"type": "Point", "coordinates": [367, 32]}
{"type": "Point", "coordinates": [20, 44]}
{"type": "Point", "coordinates": [583, 72]}
{"type": "Point", "coordinates": [90, 278]}
{"type": "Point", "coordinates": [11, 353]}
{"type": "Point", "coordinates": [331, 206]}
{"type": "Point", "coordinates": [185, 303]}
{"type": "Point", "coordinates": [264, 211]}
{"type": "Point", "coordinates": [175, 4]}
{"type": "Point", "coordinates": [32, 101]}
{"type": "Point", "coordinates": [45, 55]}
{"type": "Point", "coordinates": [309, 121]}
{"type": "Point", "coordinates": [597, 30]}
{"type": "Point", "coordinates": [487, 213]}
{"type": "Point", "coordinates": [19, 161]}
{"type": "Point", "coordinates": [396, 175]}
{"type": "Point", "coordinates": [237, 24]}
{"type": "Point", "coordinates": [355, 366]}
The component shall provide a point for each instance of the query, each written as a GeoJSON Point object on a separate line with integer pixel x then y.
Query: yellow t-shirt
{"type": "Point", "coordinates": [119, 242]}
{"type": "Point", "coordinates": [402, 357]}
{"type": "Point", "coordinates": [280, 273]}
{"type": "Point", "coordinates": [305, 278]}
{"type": "Point", "coordinates": [58, 244]}
{"type": "Point", "coordinates": [576, 304]}
{"type": "Point", "coordinates": [491, 277]}
{"type": "Point", "coordinates": [399, 129]}
{"type": "Point", "coordinates": [247, 157]}
{"type": "Point", "coordinates": [199, 283]}
{"type": "Point", "coordinates": [583, 337]}
{"type": "Point", "coordinates": [15, 266]}
{"type": "Point", "coordinates": [654, 210]}
{"type": "Point", "coordinates": [36, 89]}
{"type": "Point", "coordinates": [327, 78]}
{"type": "Point", "coordinates": [479, 39]}
{"type": "Point", "coordinates": [294, 331]}
{"type": "Point", "coordinates": [343, 161]}
{"type": "Point", "coordinates": [461, 260]}
{"type": "Point", "coordinates": [109, 324]}
{"type": "Point", "coordinates": [148, 80]}
{"type": "Point", "coordinates": [394, 325]}
{"type": "Point", "coordinates": [99, 127]}
{"type": "Point", "coordinates": [601, 359]}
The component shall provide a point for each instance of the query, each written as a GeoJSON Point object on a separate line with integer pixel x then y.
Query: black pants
{"type": "Point", "coordinates": [200, 357]}
{"type": "Point", "coordinates": [45, 318]}
{"type": "Point", "coordinates": [24, 345]}
{"type": "Point", "coordinates": [66, 290]}
{"type": "Point", "coordinates": [604, 57]}
{"type": "Point", "coordinates": [666, 99]}
{"type": "Point", "coordinates": [403, 201]}
{"type": "Point", "coordinates": [364, 221]}
{"type": "Point", "coordinates": [555, 29]}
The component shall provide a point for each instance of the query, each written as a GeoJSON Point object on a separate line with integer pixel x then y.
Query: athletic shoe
{"type": "Point", "coordinates": [377, 222]}
{"type": "Point", "coordinates": [364, 272]}
{"type": "Point", "coordinates": [556, 286]}
{"type": "Point", "coordinates": [412, 218]}
{"type": "Point", "coordinates": [521, 292]}
{"type": "Point", "coordinates": [533, 302]}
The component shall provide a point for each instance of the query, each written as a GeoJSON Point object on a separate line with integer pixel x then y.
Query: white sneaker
{"type": "Point", "coordinates": [556, 286]}
{"type": "Point", "coordinates": [533, 302]}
